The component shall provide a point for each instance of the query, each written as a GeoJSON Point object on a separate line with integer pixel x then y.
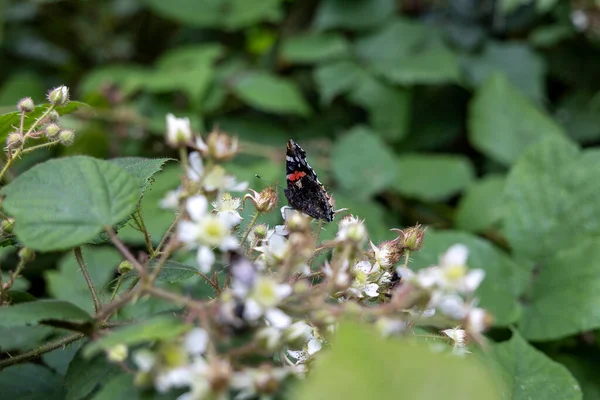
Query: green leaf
{"type": "Point", "coordinates": [336, 78]}
{"type": "Point", "coordinates": [482, 205]}
{"type": "Point", "coordinates": [565, 295]}
{"type": "Point", "coordinates": [23, 338]}
{"type": "Point", "coordinates": [271, 93]}
{"type": "Point", "coordinates": [503, 122]}
{"type": "Point", "coordinates": [127, 78]}
{"type": "Point", "coordinates": [67, 283]}
{"type": "Point", "coordinates": [408, 53]}
{"type": "Point", "coordinates": [172, 272]}
{"type": "Point", "coordinates": [84, 375]}
{"type": "Point", "coordinates": [63, 203]}
{"type": "Point", "coordinates": [432, 177]}
{"type": "Point", "coordinates": [157, 328]}
{"type": "Point", "coordinates": [9, 122]}
{"type": "Point", "coordinates": [583, 368]}
{"type": "Point", "coordinates": [30, 382]}
{"type": "Point", "coordinates": [142, 169]}
{"type": "Point", "coordinates": [550, 199]}
{"type": "Point", "coordinates": [228, 14]}
{"type": "Point", "coordinates": [504, 280]}
{"type": "Point", "coordinates": [60, 358]}
{"type": "Point", "coordinates": [530, 374]}
{"type": "Point", "coordinates": [357, 349]}
{"type": "Point", "coordinates": [523, 67]}
{"type": "Point", "coordinates": [355, 14]}
{"type": "Point", "coordinates": [314, 47]}
{"type": "Point", "coordinates": [188, 57]}
{"type": "Point", "coordinates": [42, 311]}
{"type": "Point", "coordinates": [362, 163]}
{"type": "Point", "coordinates": [389, 107]}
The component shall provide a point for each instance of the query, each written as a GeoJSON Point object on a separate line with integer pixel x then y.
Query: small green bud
{"type": "Point", "coordinates": [260, 231]}
{"type": "Point", "coordinates": [59, 96]}
{"type": "Point", "coordinates": [52, 131]}
{"type": "Point", "coordinates": [26, 254]}
{"type": "Point", "coordinates": [7, 225]}
{"type": "Point", "coordinates": [413, 237]}
{"type": "Point", "coordinates": [26, 105]}
{"type": "Point", "coordinates": [117, 353]}
{"type": "Point", "coordinates": [66, 137]}
{"type": "Point", "coordinates": [14, 140]}
{"type": "Point", "coordinates": [53, 116]}
{"type": "Point", "coordinates": [125, 267]}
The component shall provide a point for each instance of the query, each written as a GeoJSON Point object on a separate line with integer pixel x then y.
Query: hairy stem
{"type": "Point", "coordinates": [249, 228]}
{"type": "Point", "coordinates": [174, 297]}
{"type": "Point", "coordinates": [37, 147]}
{"type": "Point", "coordinates": [125, 251]}
{"type": "Point", "coordinates": [88, 278]}
{"type": "Point", "coordinates": [46, 348]}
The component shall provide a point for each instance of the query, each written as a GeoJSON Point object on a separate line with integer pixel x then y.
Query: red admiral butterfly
{"type": "Point", "coordinates": [304, 191]}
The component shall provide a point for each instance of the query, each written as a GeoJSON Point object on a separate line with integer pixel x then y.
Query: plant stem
{"type": "Point", "coordinates": [88, 278]}
{"type": "Point", "coordinates": [46, 348]}
{"type": "Point", "coordinates": [37, 147]}
{"type": "Point", "coordinates": [406, 259]}
{"type": "Point", "coordinates": [116, 289]}
{"type": "Point", "coordinates": [125, 251]}
{"type": "Point", "coordinates": [174, 297]}
{"type": "Point", "coordinates": [142, 227]}
{"type": "Point", "coordinates": [165, 236]}
{"type": "Point", "coordinates": [183, 156]}
{"type": "Point", "coordinates": [107, 310]}
{"type": "Point", "coordinates": [249, 228]}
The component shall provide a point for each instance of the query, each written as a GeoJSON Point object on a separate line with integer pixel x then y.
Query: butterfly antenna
{"type": "Point", "coordinates": [270, 183]}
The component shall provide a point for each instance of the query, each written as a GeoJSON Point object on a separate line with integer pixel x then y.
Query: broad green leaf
{"type": "Point", "coordinates": [84, 375]}
{"type": "Point", "coordinates": [550, 199]}
{"type": "Point", "coordinates": [157, 328]}
{"type": "Point", "coordinates": [227, 14]}
{"type": "Point", "coordinates": [60, 358]}
{"type": "Point", "coordinates": [67, 283]}
{"type": "Point", "coordinates": [63, 203]}
{"type": "Point", "coordinates": [565, 295]}
{"type": "Point", "coordinates": [362, 163]}
{"type": "Point", "coordinates": [583, 368]}
{"type": "Point", "coordinates": [503, 122]}
{"type": "Point", "coordinates": [314, 47]}
{"type": "Point", "coordinates": [127, 78]}
{"type": "Point", "coordinates": [142, 169]}
{"type": "Point", "coordinates": [408, 52]}
{"type": "Point", "coordinates": [9, 121]}
{"type": "Point", "coordinates": [432, 177]}
{"type": "Point", "coordinates": [172, 271]}
{"type": "Point", "coordinates": [271, 93]}
{"type": "Point", "coordinates": [530, 374]}
{"type": "Point", "coordinates": [23, 338]}
{"type": "Point", "coordinates": [521, 65]}
{"type": "Point", "coordinates": [187, 57]}
{"type": "Point", "coordinates": [30, 382]}
{"type": "Point", "coordinates": [579, 114]}
{"type": "Point", "coordinates": [355, 14]}
{"type": "Point", "coordinates": [389, 107]}
{"type": "Point", "coordinates": [422, 374]}
{"type": "Point", "coordinates": [504, 281]}
{"type": "Point", "coordinates": [42, 311]}
{"type": "Point", "coordinates": [482, 204]}
{"type": "Point", "coordinates": [336, 78]}
{"type": "Point", "coordinates": [547, 36]}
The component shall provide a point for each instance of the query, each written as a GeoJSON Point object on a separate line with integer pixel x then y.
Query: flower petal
{"type": "Point", "coordinates": [196, 207]}
{"type": "Point", "coordinates": [205, 259]}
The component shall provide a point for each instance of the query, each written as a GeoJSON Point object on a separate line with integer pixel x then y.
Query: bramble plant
{"type": "Point", "coordinates": [277, 294]}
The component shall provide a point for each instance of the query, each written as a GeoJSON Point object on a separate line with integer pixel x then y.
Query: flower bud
{"type": "Point", "coordinates": [264, 201]}
{"type": "Point", "coordinates": [53, 116]}
{"type": "Point", "coordinates": [26, 254]}
{"type": "Point", "coordinates": [413, 237]}
{"type": "Point", "coordinates": [14, 140]}
{"type": "Point", "coordinates": [125, 267]}
{"type": "Point", "coordinates": [297, 222]}
{"type": "Point", "coordinates": [220, 146]}
{"type": "Point", "coordinates": [26, 105]}
{"type": "Point", "coordinates": [352, 229]}
{"type": "Point", "coordinates": [59, 96]}
{"type": "Point", "coordinates": [179, 131]}
{"type": "Point", "coordinates": [7, 225]}
{"type": "Point", "coordinates": [260, 231]}
{"type": "Point", "coordinates": [66, 137]}
{"type": "Point", "coordinates": [52, 131]}
{"type": "Point", "coordinates": [117, 353]}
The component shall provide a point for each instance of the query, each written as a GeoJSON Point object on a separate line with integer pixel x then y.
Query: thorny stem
{"type": "Point", "coordinates": [106, 311]}
{"type": "Point", "coordinates": [142, 226]}
{"type": "Point", "coordinates": [125, 251]}
{"type": "Point", "coordinates": [88, 279]}
{"type": "Point", "coordinates": [48, 347]}
{"type": "Point", "coordinates": [39, 146]}
{"type": "Point", "coordinates": [161, 263]}
{"type": "Point", "coordinates": [183, 156]}
{"type": "Point", "coordinates": [249, 227]}
{"type": "Point", "coordinates": [13, 276]}
{"type": "Point", "coordinates": [117, 287]}
{"type": "Point", "coordinates": [165, 236]}
{"type": "Point", "coordinates": [406, 258]}
{"type": "Point", "coordinates": [174, 297]}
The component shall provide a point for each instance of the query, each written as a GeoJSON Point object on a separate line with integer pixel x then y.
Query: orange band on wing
{"type": "Point", "coordinates": [296, 175]}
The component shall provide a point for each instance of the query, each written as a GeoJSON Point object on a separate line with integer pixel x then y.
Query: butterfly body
{"type": "Point", "coordinates": [304, 191]}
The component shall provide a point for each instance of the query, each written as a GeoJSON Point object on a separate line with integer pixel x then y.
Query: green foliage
{"type": "Point", "coordinates": [482, 204]}
{"type": "Point", "coordinates": [84, 375]}
{"type": "Point", "coordinates": [64, 203]}
{"type": "Point", "coordinates": [42, 311]}
{"type": "Point", "coordinates": [31, 381]}
{"type": "Point", "coordinates": [357, 349]}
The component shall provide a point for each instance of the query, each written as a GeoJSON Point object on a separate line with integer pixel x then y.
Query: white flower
{"type": "Point", "coordinates": [341, 278]}
{"type": "Point", "coordinates": [201, 145]}
{"type": "Point", "coordinates": [179, 131]}
{"type": "Point", "coordinates": [275, 247]}
{"type": "Point", "coordinates": [388, 326]}
{"type": "Point", "coordinates": [227, 208]}
{"type": "Point", "coordinates": [477, 320]}
{"type": "Point", "coordinates": [264, 298]}
{"type": "Point", "coordinates": [117, 353]}
{"type": "Point", "coordinates": [459, 337]}
{"type": "Point", "coordinates": [205, 231]}
{"type": "Point", "coordinates": [171, 199]}
{"type": "Point", "coordinates": [453, 272]}
{"type": "Point", "coordinates": [278, 318]}
{"type": "Point", "coordinates": [196, 341]}
{"type": "Point", "coordinates": [195, 167]}
{"type": "Point", "coordinates": [451, 305]}
{"type": "Point", "coordinates": [382, 256]}
{"type": "Point", "coordinates": [361, 284]}
{"type": "Point", "coordinates": [313, 344]}
{"type": "Point", "coordinates": [353, 229]}
{"type": "Point", "coordinates": [217, 179]}
{"type": "Point", "coordinates": [257, 382]}
{"type": "Point", "coordinates": [144, 359]}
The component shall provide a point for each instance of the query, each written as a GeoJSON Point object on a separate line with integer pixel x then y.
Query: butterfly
{"type": "Point", "coordinates": [304, 191]}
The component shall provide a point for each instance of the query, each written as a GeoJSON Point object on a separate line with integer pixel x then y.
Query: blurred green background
{"type": "Point", "coordinates": [410, 111]}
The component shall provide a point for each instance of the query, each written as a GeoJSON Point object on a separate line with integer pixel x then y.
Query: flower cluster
{"type": "Point", "coordinates": [283, 290]}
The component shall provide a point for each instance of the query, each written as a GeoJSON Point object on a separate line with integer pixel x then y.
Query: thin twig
{"type": "Point", "coordinates": [88, 278]}
{"type": "Point", "coordinates": [107, 310]}
{"type": "Point", "coordinates": [174, 297]}
{"type": "Point", "coordinates": [46, 348]}
{"type": "Point", "coordinates": [144, 230]}
{"type": "Point", "coordinates": [38, 146]}
{"type": "Point", "coordinates": [125, 251]}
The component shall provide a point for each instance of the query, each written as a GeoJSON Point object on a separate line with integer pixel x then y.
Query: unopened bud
{"type": "Point", "coordinates": [26, 105]}
{"type": "Point", "coordinates": [7, 225]}
{"type": "Point", "coordinates": [297, 222]}
{"type": "Point", "coordinates": [26, 254]}
{"type": "Point", "coordinates": [53, 116]}
{"type": "Point", "coordinates": [260, 231]}
{"type": "Point", "coordinates": [413, 237]}
{"type": "Point", "coordinates": [14, 140]}
{"type": "Point", "coordinates": [179, 131]}
{"type": "Point", "coordinates": [52, 131]}
{"type": "Point", "coordinates": [220, 146]}
{"type": "Point", "coordinates": [264, 201]}
{"type": "Point", "coordinates": [117, 353]}
{"type": "Point", "coordinates": [125, 267]}
{"type": "Point", "coordinates": [59, 96]}
{"type": "Point", "coordinates": [66, 137]}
